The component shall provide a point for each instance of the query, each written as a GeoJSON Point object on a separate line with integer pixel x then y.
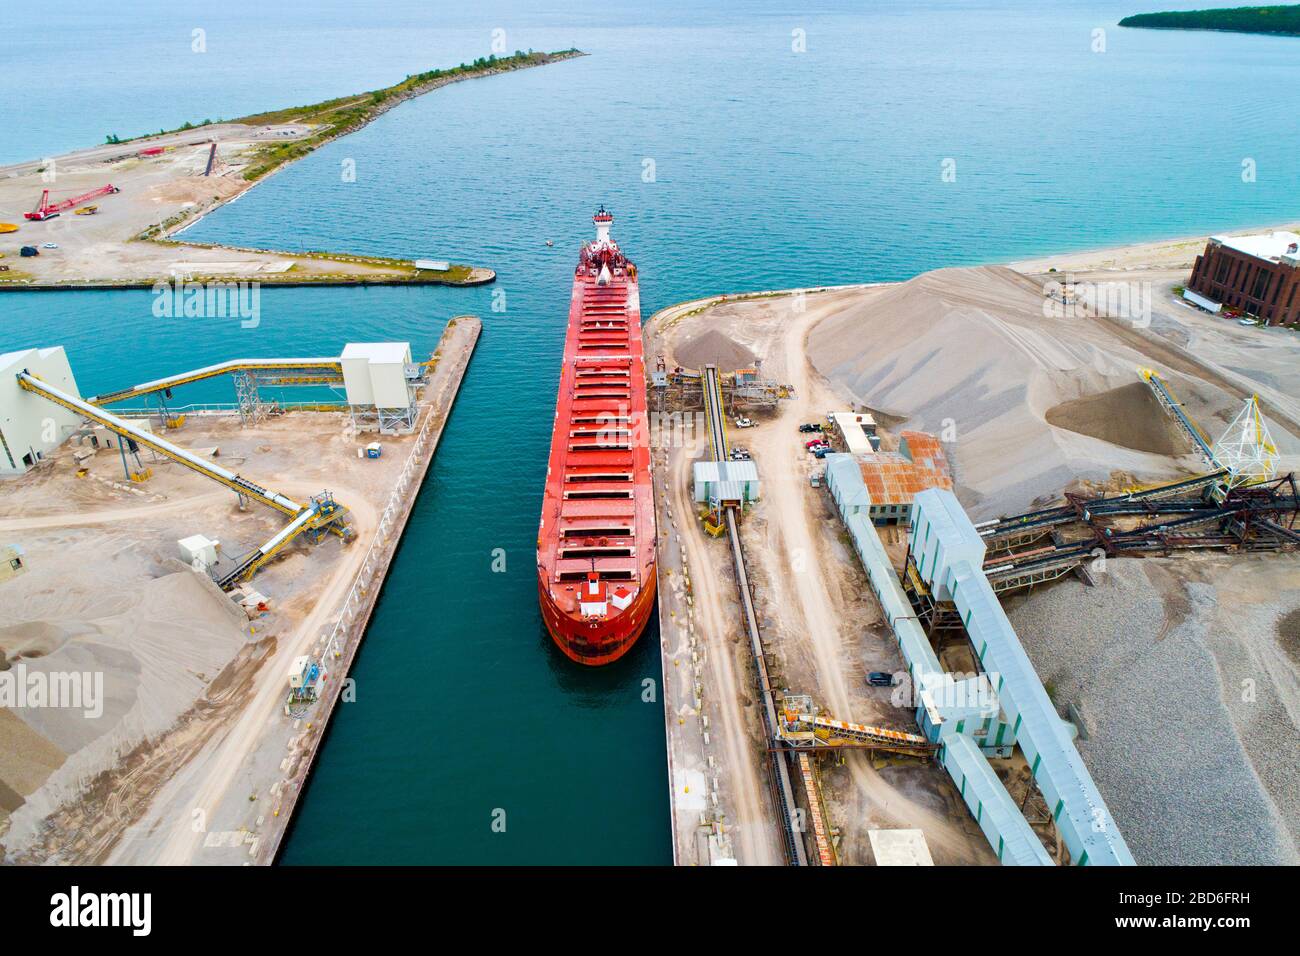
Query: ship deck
{"type": "Point", "coordinates": [598, 510]}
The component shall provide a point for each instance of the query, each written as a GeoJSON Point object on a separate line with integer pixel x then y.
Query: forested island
{"type": "Point", "coordinates": [1284, 20]}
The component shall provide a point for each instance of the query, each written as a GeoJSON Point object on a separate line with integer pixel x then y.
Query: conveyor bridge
{"type": "Point", "coordinates": [278, 371]}
{"type": "Point", "coordinates": [801, 727]}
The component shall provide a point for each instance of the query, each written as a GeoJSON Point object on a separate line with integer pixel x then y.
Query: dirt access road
{"type": "Point", "coordinates": [170, 818]}
{"type": "Point", "coordinates": [730, 697]}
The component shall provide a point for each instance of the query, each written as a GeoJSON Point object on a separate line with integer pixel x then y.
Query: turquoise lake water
{"type": "Point", "coordinates": [771, 169]}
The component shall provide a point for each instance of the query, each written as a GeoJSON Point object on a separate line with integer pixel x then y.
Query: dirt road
{"type": "Point", "coordinates": [170, 819]}
{"type": "Point", "coordinates": [797, 554]}
{"type": "Point", "coordinates": [754, 832]}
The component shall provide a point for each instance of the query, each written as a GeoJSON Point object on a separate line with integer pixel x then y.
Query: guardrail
{"type": "Point", "coordinates": [353, 605]}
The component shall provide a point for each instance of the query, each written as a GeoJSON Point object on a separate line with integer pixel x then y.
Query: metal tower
{"type": "Point", "coordinates": [1246, 448]}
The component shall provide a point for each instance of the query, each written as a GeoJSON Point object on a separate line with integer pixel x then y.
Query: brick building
{"type": "Point", "coordinates": [1258, 275]}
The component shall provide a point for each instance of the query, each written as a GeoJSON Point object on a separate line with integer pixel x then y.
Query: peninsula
{"type": "Point", "coordinates": [1280, 20]}
{"type": "Point", "coordinates": [108, 216]}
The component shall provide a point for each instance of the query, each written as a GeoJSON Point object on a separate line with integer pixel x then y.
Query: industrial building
{"type": "Point", "coordinates": [857, 430]}
{"type": "Point", "coordinates": [1258, 275]}
{"type": "Point", "coordinates": [721, 483]}
{"type": "Point", "coordinates": [30, 427]}
{"type": "Point", "coordinates": [884, 484]}
{"type": "Point", "coordinates": [974, 717]}
{"type": "Point", "coordinates": [380, 381]}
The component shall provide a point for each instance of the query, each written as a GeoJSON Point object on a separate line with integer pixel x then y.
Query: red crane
{"type": "Point", "coordinates": [47, 210]}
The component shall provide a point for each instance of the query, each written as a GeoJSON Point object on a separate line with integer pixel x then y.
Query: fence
{"type": "Point", "coordinates": [412, 470]}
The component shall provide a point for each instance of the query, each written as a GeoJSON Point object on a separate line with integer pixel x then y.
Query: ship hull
{"type": "Point", "coordinates": [596, 539]}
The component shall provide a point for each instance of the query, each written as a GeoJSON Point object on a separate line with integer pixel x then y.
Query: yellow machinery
{"type": "Point", "coordinates": [801, 727]}
{"type": "Point", "coordinates": [1165, 395]}
{"type": "Point", "coordinates": [1246, 449]}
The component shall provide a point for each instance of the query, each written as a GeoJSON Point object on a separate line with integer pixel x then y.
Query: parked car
{"type": "Point", "coordinates": [744, 423]}
{"type": "Point", "coordinates": [821, 452]}
{"type": "Point", "coordinates": [880, 679]}
{"type": "Point", "coordinates": [810, 427]}
{"type": "Point", "coordinates": [814, 441]}
{"type": "Point", "coordinates": [739, 454]}
{"type": "Point", "coordinates": [49, 245]}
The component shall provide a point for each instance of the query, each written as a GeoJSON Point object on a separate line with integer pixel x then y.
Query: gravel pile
{"type": "Point", "coordinates": [1162, 748]}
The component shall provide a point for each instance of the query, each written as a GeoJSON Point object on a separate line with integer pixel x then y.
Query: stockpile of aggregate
{"type": "Point", "coordinates": [1147, 660]}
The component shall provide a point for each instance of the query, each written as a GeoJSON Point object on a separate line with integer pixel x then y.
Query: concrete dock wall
{"type": "Point", "coordinates": [339, 645]}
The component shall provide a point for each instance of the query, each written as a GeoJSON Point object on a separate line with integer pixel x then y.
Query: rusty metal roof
{"type": "Point", "coordinates": [893, 478]}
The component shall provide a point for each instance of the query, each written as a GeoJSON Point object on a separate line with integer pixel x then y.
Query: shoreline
{"type": "Point", "coordinates": [1033, 265]}
{"type": "Point", "coordinates": [1144, 246]}
{"type": "Point", "coordinates": [331, 282]}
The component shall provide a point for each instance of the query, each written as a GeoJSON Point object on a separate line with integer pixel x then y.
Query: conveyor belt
{"type": "Point", "coordinates": [252, 562]}
{"type": "Point", "coordinates": [1136, 502]}
{"type": "Point", "coordinates": [821, 834]}
{"type": "Point", "coordinates": [295, 371]}
{"type": "Point", "coordinates": [829, 732]}
{"type": "Point", "coordinates": [1165, 395]}
{"type": "Point", "coordinates": [321, 512]}
{"type": "Point", "coordinates": [163, 447]}
{"type": "Point", "coordinates": [780, 765]}
{"type": "Point", "coordinates": [713, 409]}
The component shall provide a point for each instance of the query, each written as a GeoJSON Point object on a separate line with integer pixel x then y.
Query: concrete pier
{"type": "Point", "coordinates": [339, 645]}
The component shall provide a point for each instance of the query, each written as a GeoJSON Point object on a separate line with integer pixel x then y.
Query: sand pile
{"type": "Point", "coordinates": [970, 354]}
{"type": "Point", "coordinates": [714, 347]}
{"type": "Point", "coordinates": [195, 189]}
{"type": "Point", "coordinates": [1288, 634]}
{"type": "Point", "coordinates": [1128, 416]}
{"type": "Point", "coordinates": [154, 643]}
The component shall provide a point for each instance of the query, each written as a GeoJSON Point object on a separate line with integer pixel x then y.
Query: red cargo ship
{"type": "Point", "coordinates": [596, 541]}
